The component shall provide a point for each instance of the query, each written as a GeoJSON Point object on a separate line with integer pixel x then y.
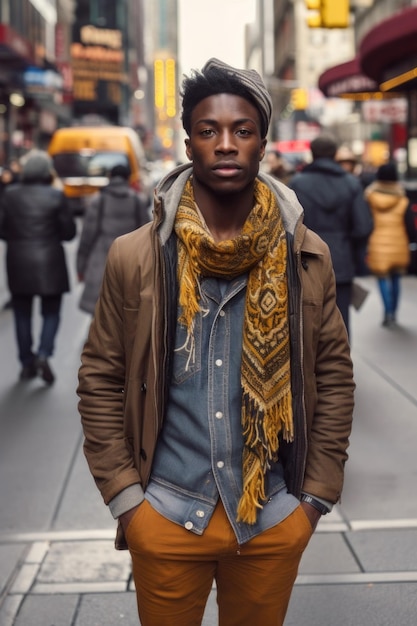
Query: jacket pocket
{"type": "Point", "coordinates": [187, 353]}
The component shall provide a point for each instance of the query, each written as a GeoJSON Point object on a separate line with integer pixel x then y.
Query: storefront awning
{"type": "Point", "coordinates": [388, 52]}
{"type": "Point", "coordinates": [15, 51]}
{"type": "Point", "coordinates": [348, 81]}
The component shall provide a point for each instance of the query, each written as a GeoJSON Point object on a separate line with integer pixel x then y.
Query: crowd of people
{"type": "Point", "coordinates": [35, 220]}
{"type": "Point", "coordinates": [365, 218]}
{"type": "Point", "coordinates": [362, 213]}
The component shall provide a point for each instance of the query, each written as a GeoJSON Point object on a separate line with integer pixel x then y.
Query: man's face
{"type": "Point", "coordinates": [225, 143]}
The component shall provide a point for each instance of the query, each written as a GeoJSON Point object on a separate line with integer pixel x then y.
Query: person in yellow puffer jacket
{"type": "Point", "coordinates": [388, 253]}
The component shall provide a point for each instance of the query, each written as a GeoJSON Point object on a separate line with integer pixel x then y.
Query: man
{"type": "Point", "coordinates": [216, 386]}
{"type": "Point", "coordinates": [335, 209]}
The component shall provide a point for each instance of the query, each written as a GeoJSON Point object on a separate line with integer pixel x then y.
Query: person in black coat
{"type": "Point", "coordinates": [34, 220]}
{"type": "Point", "coordinates": [335, 208]}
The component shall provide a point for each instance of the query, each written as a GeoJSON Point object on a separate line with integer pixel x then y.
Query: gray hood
{"type": "Point", "coordinates": [118, 187]}
{"type": "Point", "coordinates": [37, 167]}
{"type": "Point", "coordinates": [170, 189]}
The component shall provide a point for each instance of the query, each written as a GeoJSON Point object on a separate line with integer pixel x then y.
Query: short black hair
{"type": "Point", "coordinates": [198, 86]}
{"type": "Point", "coordinates": [387, 172]}
{"type": "Point", "coordinates": [120, 170]}
{"type": "Point", "coordinates": [323, 147]}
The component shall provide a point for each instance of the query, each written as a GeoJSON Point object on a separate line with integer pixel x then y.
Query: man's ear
{"type": "Point", "coordinates": [188, 150]}
{"type": "Point", "coordinates": [262, 150]}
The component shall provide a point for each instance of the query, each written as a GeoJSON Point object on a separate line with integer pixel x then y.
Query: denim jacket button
{"type": "Point", "coordinates": [200, 513]}
{"type": "Point", "coordinates": [188, 525]}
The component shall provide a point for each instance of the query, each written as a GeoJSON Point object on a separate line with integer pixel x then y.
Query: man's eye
{"type": "Point", "coordinates": [207, 132]}
{"type": "Point", "coordinates": [244, 131]}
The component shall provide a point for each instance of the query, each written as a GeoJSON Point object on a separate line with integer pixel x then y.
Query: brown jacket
{"type": "Point", "coordinates": [124, 378]}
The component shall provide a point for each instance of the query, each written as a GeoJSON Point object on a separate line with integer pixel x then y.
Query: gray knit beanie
{"type": "Point", "coordinates": [253, 83]}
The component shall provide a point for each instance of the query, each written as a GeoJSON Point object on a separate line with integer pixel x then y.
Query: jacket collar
{"type": "Point", "coordinates": [169, 190]}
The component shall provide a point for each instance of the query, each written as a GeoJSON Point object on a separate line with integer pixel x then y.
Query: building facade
{"type": "Point", "coordinates": [106, 58]}
{"type": "Point", "coordinates": [32, 87]}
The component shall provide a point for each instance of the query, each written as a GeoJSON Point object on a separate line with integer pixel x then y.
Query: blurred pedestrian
{"type": "Point", "coordinates": [346, 159]}
{"type": "Point", "coordinates": [114, 211]}
{"type": "Point", "coordinates": [9, 175]}
{"type": "Point", "coordinates": [388, 247]}
{"type": "Point", "coordinates": [15, 166]}
{"type": "Point", "coordinates": [277, 166]}
{"type": "Point", "coordinates": [34, 220]}
{"type": "Point", "coordinates": [216, 388]}
{"type": "Point", "coordinates": [335, 208]}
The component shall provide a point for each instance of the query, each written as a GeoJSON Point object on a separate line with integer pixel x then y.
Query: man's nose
{"type": "Point", "coordinates": [226, 141]}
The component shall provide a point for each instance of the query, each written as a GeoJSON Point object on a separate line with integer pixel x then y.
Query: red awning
{"type": "Point", "coordinates": [346, 80]}
{"type": "Point", "coordinates": [390, 48]}
{"type": "Point", "coordinates": [14, 49]}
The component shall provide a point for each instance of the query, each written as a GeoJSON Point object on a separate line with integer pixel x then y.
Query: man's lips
{"type": "Point", "coordinates": [226, 168]}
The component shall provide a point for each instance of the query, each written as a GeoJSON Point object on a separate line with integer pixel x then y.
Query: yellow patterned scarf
{"type": "Point", "coordinates": [261, 250]}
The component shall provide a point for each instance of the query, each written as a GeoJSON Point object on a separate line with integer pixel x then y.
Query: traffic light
{"type": "Point", "coordinates": [328, 13]}
{"type": "Point", "coordinates": [314, 19]}
{"type": "Point", "coordinates": [299, 99]}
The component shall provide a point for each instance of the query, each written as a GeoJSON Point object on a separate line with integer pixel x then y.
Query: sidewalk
{"type": "Point", "coordinates": [360, 568]}
{"type": "Point", "coordinates": [360, 574]}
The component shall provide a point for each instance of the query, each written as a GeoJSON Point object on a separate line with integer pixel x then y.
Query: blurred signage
{"type": "Point", "coordinates": [91, 35]}
{"type": "Point", "coordinates": [296, 145]}
{"type": "Point", "coordinates": [165, 90]}
{"type": "Point", "coordinates": [352, 84]}
{"type": "Point", "coordinates": [97, 63]}
{"type": "Point", "coordinates": [66, 73]}
{"type": "Point", "coordinates": [165, 87]}
{"type": "Point", "coordinates": [35, 78]}
{"type": "Point", "coordinates": [392, 111]}
{"type": "Point", "coordinates": [59, 42]}
{"type": "Point", "coordinates": [43, 85]}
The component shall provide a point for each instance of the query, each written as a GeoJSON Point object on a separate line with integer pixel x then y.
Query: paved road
{"type": "Point", "coordinates": [57, 562]}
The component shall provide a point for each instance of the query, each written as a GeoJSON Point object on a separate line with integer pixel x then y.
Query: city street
{"type": "Point", "coordinates": [57, 562]}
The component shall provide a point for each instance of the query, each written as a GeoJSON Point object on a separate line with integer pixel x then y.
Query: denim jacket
{"type": "Point", "coordinates": [199, 453]}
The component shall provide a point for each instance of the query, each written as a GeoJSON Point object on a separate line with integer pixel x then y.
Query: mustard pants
{"type": "Point", "coordinates": [174, 569]}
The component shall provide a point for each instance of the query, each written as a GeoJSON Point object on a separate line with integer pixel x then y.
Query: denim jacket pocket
{"type": "Point", "coordinates": [187, 353]}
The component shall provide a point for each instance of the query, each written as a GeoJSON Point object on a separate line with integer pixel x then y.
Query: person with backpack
{"type": "Point", "coordinates": [112, 212]}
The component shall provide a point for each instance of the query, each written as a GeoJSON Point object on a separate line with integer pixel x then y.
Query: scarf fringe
{"type": "Point", "coordinates": [261, 447]}
{"type": "Point", "coordinates": [253, 493]}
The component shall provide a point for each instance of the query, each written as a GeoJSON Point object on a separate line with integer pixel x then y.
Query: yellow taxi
{"type": "Point", "coordinates": [83, 157]}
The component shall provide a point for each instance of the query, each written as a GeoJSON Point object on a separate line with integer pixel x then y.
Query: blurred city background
{"type": "Point", "coordinates": [346, 66]}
